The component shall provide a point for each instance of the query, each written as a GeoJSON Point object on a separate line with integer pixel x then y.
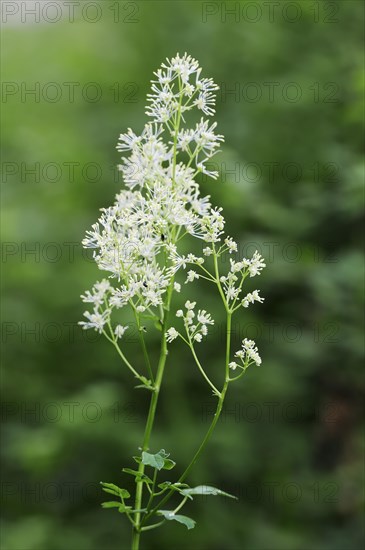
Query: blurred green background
{"type": "Point", "coordinates": [290, 442]}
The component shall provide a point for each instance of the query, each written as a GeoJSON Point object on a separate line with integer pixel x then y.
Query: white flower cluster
{"type": "Point", "coordinates": [179, 82]}
{"type": "Point", "coordinates": [252, 297]}
{"type": "Point", "coordinates": [98, 297]}
{"type": "Point", "coordinates": [135, 240]}
{"type": "Point", "coordinates": [162, 197]}
{"type": "Point", "coordinates": [247, 355]}
{"type": "Point", "coordinates": [200, 141]}
{"type": "Point", "coordinates": [101, 296]}
{"type": "Point", "coordinates": [232, 282]}
{"type": "Point", "coordinates": [182, 261]}
{"type": "Point", "coordinates": [196, 324]}
{"type": "Point", "coordinates": [231, 245]}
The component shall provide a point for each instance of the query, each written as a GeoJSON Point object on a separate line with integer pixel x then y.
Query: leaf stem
{"type": "Point", "coordinates": [180, 505]}
{"type": "Point", "coordinates": [149, 527]}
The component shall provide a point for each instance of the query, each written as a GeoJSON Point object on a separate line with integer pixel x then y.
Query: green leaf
{"type": "Point", "coordinates": [122, 509]}
{"type": "Point", "coordinates": [131, 472]}
{"type": "Point", "coordinates": [110, 504]}
{"type": "Point", "coordinates": [168, 514]}
{"type": "Point", "coordinates": [205, 490]}
{"type": "Point", "coordinates": [156, 461]}
{"type": "Point", "coordinates": [175, 487]}
{"type": "Point", "coordinates": [168, 464]}
{"type": "Point", "coordinates": [113, 489]}
{"type": "Point", "coordinates": [137, 474]}
{"type": "Point", "coordinates": [159, 460]}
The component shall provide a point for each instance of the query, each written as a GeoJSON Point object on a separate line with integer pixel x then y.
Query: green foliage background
{"type": "Point", "coordinates": [290, 443]}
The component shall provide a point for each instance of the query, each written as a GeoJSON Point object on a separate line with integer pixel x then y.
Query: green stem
{"type": "Point", "coordinates": [180, 505]}
{"type": "Point", "coordinates": [215, 391]}
{"type": "Point", "coordinates": [208, 434]}
{"type": "Point", "coordinates": [147, 435]}
{"type": "Point", "coordinates": [244, 368]}
{"type": "Point", "coordinates": [143, 345]}
{"type": "Point", "coordinates": [125, 360]}
{"type": "Point", "coordinates": [217, 276]}
{"type": "Point", "coordinates": [152, 490]}
{"type": "Point", "coordinates": [240, 286]}
{"type": "Point", "coordinates": [149, 527]}
{"type": "Point", "coordinates": [213, 424]}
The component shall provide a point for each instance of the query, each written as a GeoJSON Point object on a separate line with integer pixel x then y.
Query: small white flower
{"type": "Point", "coordinates": [96, 320]}
{"type": "Point", "coordinates": [120, 330]}
{"type": "Point", "coordinates": [232, 245]}
{"type": "Point", "coordinates": [190, 305]}
{"type": "Point", "coordinates": [191, 276]}
{"type": "Point", "coordinates": [251, 298]}
{"type": "Point", "coordinates": [97, 295]}
{"type": "Point", "coordinates": [235, 266]}
{"type": "Point", "coordinates": [207, 251]}
{"type": "Point", "coordinates": [232, 365]}
{"type": "Point", "coordinates": [128, 141]}
{"type": "Point", "coordinates": [177, 287]}
{"type": "Point", "coordinates": [204, 318]}
{"type": "Point", "coordinates": [189, 90]}
{"type": "Point", "coordinates": [190, 314]}
{"type": "Point", "coordinates": [179, 313]}
{"type": "Point", "coordinates": [198, 337]}
{"type": "Point", "coordinates": [171, 334]}
{"type": "Point", "coordinates": [232, 293]}
{"type": "Point", "coordinates": [256, 264]}
{"type": "Point", "coordinates": [103, 286]}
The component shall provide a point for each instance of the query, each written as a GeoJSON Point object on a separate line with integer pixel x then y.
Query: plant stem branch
{"type": "Point", "coordinates": [146, 438]}
{"type": "Point", "coordinates": [143, 345]}
{"type": "Point", "coordinates": [212, 425]}
{"type": "Point", "coordinates": [215, 390]}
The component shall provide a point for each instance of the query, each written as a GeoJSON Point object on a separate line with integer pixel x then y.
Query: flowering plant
{"type": "Point", "coordinates": [138, 241]}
